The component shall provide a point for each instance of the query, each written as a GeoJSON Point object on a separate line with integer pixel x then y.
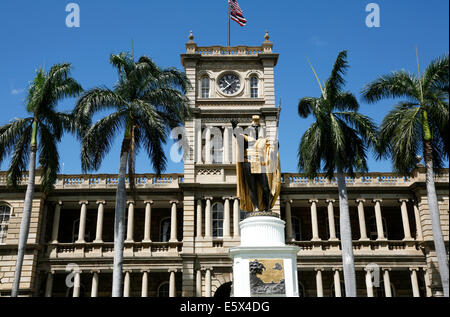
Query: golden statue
{"type": "Point", "coordinates": [257, 169]}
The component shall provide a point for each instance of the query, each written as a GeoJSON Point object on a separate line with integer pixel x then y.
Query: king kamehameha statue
{"type": "Point", "coordinates": [257, 170]}
{"type": "Point", "coordinates": [263, 265]}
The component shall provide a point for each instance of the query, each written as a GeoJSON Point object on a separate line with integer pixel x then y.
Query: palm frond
{"type": "Point", "coordinates": [395, 85]}
{"type": "Point", "coordinates": [436, 76]}
{"type": "Point", "coordinates": [305, 106]}
{"type": "Point", "coordinates": [336, 81]}
{"type": "Point", "coordinates": [48, 158]}
{"type": "Point", "coordinates": [98, 139]}
{"type": "Point", "coordinates": [10, 135]}
{"type": "Point", "coordinates": [20, 157]}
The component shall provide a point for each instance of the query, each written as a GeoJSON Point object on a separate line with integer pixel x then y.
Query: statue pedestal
{"type": "Point", "coordinates": [263, 266]}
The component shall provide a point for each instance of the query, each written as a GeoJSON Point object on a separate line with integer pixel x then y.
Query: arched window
{"type": "Point", "coordinates": [163, 290]}
{"type": "Point", "coordinates": [217, 219]}
{"type": "Point", "coordinates": [5, 214]}
{"type": "Point", "coordinates": [296, 229]}
{"type": "Point", "coordinates": [254, 87]}
{"type": "Point", "coordinates": [164, 232]}
{"type": "Point", "coordinates": [373, 233]}
{"type": "Point", "coordinates": [205, 87]}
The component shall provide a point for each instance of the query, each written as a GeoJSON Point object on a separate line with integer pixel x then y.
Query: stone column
{"type": "Point", "coordinates": [426, 278]}
{"type": "Point", "coordinates": [144, 290]}
{"type": "Point", "coordinates": [369, 283]}
{"type": "Point", "coordinates": [76, 284]}
{"type": "Point", "coordinates": [379, 219]}
{"type": "Point", "coordinates": [226, 218]}
{"type": "Point", "coordinates": [315, 227]}
{"type": "Point", "coordinates": [99, 231]}
{"type": "Point", "coordinates": [362, 220]}
{"type": "Point", "coordinates": [236, 218]}
{"type": "Point", "coordinates": [49, 284]}
{"type": "Point", "coordinates": [208, 219]}
{"type": "Point", "coordinates": [82, 224]}
{"type": "Point", "coordinates": [199, 219]}
{"type": "Point", "coordinates": [337, 283]}
{"type": "Point", "coordinates": [319, 284]}
{"type": "Point", "coordinates": [126, 284]}
{"type": "Point", "coordinates": [56, 218]}
{"type": "Point", "coordinates": [208, 282]}
{"type": "Point", "coordinates": [173, 221]}
{"type": "Point", "coordinates": [414, 282]}
{"type": "Point", "coordinates": [331, 223]}
{"type": "Point", "coordinates": [172, 286]}
{"type": "Point", "coordinates": [130, 224]}
{"type": "Point", "coordinates": [387, 282]}
{"type": "Point", "coordinates": [148, 221]}
{"type": "Point", "coordinates": [289, 221]}
{"type": "Point", "coordinates": [405, 220]}
{"type": "Point", "coordinates": [208, 156]}
{"type": "Point", "coordinates": [226, 145]}
{"type": "Point", "coordinates": [199, 145]}
{"type": "Point", "coordinates": [233, 147]}
{"type": "Point", "coordinates": [198, 284]}
{"type": "Point", "coordinates": [94, 287]}
{"type": "Point", "coordinates": [419, 233]}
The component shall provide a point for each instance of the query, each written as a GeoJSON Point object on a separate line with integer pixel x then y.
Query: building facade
{"type": "Point", "coordinates": [181, 226]}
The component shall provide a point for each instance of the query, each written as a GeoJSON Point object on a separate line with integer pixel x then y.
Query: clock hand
{"type": "Point", "coordinates": [233, 82]}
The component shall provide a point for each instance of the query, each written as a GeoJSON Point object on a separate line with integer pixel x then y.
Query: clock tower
{"type": "Point", "coordinates": [228, 83]}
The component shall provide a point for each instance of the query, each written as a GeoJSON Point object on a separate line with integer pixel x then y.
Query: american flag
{"type": "Point", "coordinates": [236, 13]}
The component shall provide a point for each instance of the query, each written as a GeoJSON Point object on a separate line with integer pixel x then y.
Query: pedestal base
{"type": "Point", "coordinates": [263, 266]}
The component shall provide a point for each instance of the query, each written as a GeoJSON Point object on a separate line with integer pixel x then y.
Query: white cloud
{"type": "Point", "coordinates": [17, 91]}
{"type": "Point", "coordinates": [316, 41]}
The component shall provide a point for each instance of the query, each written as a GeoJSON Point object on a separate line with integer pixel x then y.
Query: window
{"type": "Point", "coordinates": [217, 218]}
{"type": "Point", "coordinates": [163, 290]}
{"type": "Point", "coordinates": [5, 214]}
{"type": "Point", "coordinates": [254, 87]}
{"type": "Point", "coordinates": [296, 229]}
{"type": "Point", "coordinates": [205, 87]}
{"type": "Point", "coordinates": [165, 230]}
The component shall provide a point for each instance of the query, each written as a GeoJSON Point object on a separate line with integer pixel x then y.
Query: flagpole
{"type": "Point", "coordinates": [229, 20]}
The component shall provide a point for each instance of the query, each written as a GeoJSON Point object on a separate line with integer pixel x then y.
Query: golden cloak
{"type": "Point", "coordinates": [263, 158]}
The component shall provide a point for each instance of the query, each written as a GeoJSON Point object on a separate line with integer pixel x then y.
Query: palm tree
{"type": "Point", "coordinates": [418, 126]}
{"type": "Point", "coordinates": [336, 143]}
{"type": "Point", "coordinates": [145, 104]}
{"type": "Point", "coordinates": [40, 132]}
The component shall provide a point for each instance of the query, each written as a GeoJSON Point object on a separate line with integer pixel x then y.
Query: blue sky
{"type": "Point", "coordinates": [34, 33]}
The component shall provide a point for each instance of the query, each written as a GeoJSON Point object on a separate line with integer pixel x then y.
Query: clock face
{"type": "Point", "coordinates": [229, 84]}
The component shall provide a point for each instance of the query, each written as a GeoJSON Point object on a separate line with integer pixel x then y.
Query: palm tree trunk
{"type": "Point", "coordinates": [25, 223]}
{"type": "Point", "coordinates": [435, 218]}
{"type": "Point", "coordinates": [119, 221]}
{"type": "Point", "coordinates": [348, 262]}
